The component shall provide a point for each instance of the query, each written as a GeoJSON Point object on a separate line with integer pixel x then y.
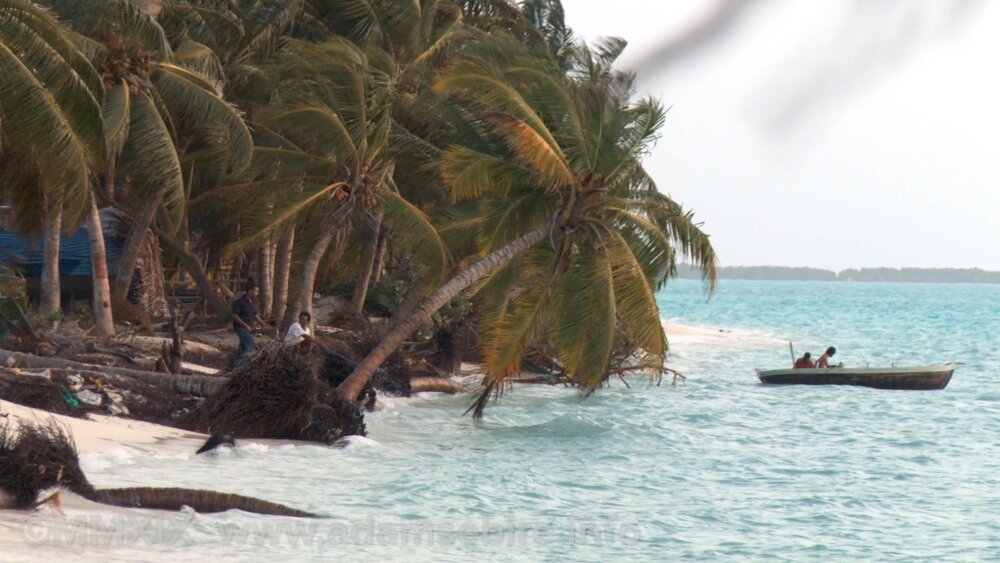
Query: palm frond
{"type": "Point", "coordinates": [116, 112]}
{"type": "Point", "coordinates": [414, 233]}
{"type": "Point", "coordinates": [101, 19]}
{"type": "Point", "coordinates": [582, 323]}
{"type": "Point", "coordinates": [195, 100]}
{"type": "Point", "coordinates": [504, 344]}
{"type": "Point", "coordinates": [635, 302]}
{"type": "Point", "coordinates": [470, 174]}
{"type": "Point", "coordinates": [149, 156]}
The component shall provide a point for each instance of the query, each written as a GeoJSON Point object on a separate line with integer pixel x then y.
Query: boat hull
{"type": "Point", "coordinates": [915, 378]}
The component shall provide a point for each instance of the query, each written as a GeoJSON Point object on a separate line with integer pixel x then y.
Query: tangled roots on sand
{"type": "Point", "coordinates": [35, 456]}
{"type": "Point", "coordinates": [276, 393]}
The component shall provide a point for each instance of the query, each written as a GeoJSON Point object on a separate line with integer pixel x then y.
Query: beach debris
{"type": "Point", "coordinates": [437, 384]}
{"type": "Point", "coordinates": [44, 374]}
{"type": "Point", "coordinates": [39, 456]}
{"type": "Point", "coordinates": [277, 393]}
{"type": "Point", "coordinates": [88, 397]}
{"type": "Point", "coordinates": [69, 398]}
{"type": "Point", "coordinates": [67, 327]}
{"type": "Point", "coordinates": [74, 382]}
{"type": "Point", "coordinates": [10, 361]}
{"type": "Point", "coordinates": [216, 440]}
{"type": "Point", "coordinates": [116, 403]}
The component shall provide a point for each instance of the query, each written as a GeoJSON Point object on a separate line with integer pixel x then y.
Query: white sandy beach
{"type": "Point", "coordinates": [99, 433]}
{"type": "Point", "coordinates": [104, 433]}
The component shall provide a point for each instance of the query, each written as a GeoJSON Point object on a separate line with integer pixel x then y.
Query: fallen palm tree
{"type": "Point", "coordinates": [37, 456]}
{"type": "Point", "coordinates": [277, 393]}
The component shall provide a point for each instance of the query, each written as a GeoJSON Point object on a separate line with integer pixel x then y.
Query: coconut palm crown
{"type": "Point", "coordinates": [573, 235]}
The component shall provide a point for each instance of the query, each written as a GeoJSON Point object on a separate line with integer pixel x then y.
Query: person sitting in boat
{"type": "Point", "coordinates": [824, 360]}
{"type": "Point", "coordinates": [299, 334]}
{"type": "Point", "coordinates": [805, 362]}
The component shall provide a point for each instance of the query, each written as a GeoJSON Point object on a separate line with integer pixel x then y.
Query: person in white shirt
{"type": "Point", "coordinates": [299, 334]}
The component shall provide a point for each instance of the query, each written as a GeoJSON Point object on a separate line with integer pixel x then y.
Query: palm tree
{"type": "Point", "coordinates": [417, 37]}
{"type": "Point", "coordinates": [155, 111]}
{"type": "Point", "coordinates": [51, 133]}
{"type": "Point", "coordinates": [230, 41]}
{"type": "Point", "coordinates": [565, 169]}
{"type": "Point", "coordinates": [326, 156]}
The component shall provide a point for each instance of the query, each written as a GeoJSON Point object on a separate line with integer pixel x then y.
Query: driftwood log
{"type": "Point", "coordinates": [198, 385]}
{"type": "Point", "coordinates": [436, 384]}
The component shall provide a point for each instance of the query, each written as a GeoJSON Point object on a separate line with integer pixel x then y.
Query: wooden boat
{"type": "Point", "coordinates": [920, 377]}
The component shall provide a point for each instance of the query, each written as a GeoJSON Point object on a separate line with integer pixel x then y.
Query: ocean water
{"type": "Point", "coordinates": [718, 467]}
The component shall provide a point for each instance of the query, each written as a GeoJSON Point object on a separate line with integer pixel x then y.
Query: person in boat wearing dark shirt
{"type": "Point", "coordinates": [824, 360]}
{"type": "Point", "coordinates": [805, 362]}
{"type": "Point", "coordinates": [244, 317]}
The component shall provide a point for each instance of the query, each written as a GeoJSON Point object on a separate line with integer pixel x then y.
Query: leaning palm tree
{"type": "Point", "coordinates": [51, 133]}
{"type": "Point", "coordinates": [323, 157]}
{"type": "Point", "coordinates": [417, 37]}
{"type": "Point", "coordinates": [155, 111]}
{"type": "Point", "coordinates": [574, 236]}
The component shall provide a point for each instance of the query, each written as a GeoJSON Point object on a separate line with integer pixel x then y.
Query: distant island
{"type": "Point", "coordinates": [911, 275]}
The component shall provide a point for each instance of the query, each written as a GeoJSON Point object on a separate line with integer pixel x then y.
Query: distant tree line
{"type": "Point", "coordinates": [910, 275]}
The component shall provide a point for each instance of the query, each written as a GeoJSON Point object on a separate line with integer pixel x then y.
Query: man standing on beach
{"type": "Point", "coordinates": [244, 316]}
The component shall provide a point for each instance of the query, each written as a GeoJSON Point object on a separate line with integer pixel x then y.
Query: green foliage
{"type": "Point", "coordinates": [14, 288]}
{"type": "Point", "coordinates": [388, 294]}
{"type": "Point", "coordinates": [453, 126]}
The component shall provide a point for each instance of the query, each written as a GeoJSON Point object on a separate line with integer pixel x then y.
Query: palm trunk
{"type": "Point", "coordinates": [282, 270]}
{"type": "Point", "coordinates": [328, 231]}
{"type": "Point", "coordinates": [367, 264]}
{"type": "Point", "coordinates": [109, 180]}
{"type": "Point", "coordinates": [265, 275]}
{"type": "Point", "coordinates": [192, 264]}
{"type": "Point", "coordinates": [303, 302]}
{"type": "Point", "coordinates": [352, 386]}
{"type": "Point", "coordinates": [130, 254]}
{"type": "Point", "coordinates": [421, 384]}
{"type": "Point", "coordinates": [383, 243]}
{"type": "Point", "coordinates": [410, 301]}
{"type": "Point", "coordinates": [201, 501]}
{"type": "Point", "coordinates": [103, 320]}
{"type": "Point", "coordinates": [51, 291]}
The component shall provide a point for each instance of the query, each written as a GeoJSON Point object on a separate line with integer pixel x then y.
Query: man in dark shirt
{"type": "Point", "coordinates": [244, 316]}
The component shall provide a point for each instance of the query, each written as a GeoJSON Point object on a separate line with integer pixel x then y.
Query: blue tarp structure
{"type": "Point", "coordinates": [26, 255]}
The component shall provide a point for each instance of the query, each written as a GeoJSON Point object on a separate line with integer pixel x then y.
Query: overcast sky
{"type": "Point", "coordinates": [828, 133]}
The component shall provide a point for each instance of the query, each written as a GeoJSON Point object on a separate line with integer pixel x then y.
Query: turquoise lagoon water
{"type": "Point", "coordinates": [718, 467]}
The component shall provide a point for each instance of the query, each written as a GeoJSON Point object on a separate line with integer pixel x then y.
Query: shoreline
{"type": "Point", "coordinates": [101, 432]}
{"type": "Point", "coordinates": [90, 436]}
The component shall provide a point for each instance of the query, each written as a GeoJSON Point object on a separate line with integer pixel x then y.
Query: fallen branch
{"type": "Point", "coordinates": [199, 385]}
